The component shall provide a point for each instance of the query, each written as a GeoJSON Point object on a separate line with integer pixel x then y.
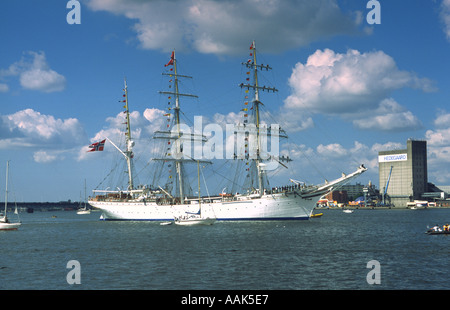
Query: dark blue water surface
{"type": "Point", "coordinates": [327, 253]}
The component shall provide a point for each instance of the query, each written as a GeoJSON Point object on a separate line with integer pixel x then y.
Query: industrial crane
{"type": "Point", "coordinates": [386, 188]}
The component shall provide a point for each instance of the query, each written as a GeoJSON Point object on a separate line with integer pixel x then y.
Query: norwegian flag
{"type": "Point", "coordinates": [98, 146]}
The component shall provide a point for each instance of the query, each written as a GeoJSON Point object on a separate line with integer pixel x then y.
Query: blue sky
{"type": "Point", "coordinates": [347, 89]}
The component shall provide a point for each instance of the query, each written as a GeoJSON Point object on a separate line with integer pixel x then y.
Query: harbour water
{"type": "Point", "coordinates": [327, 253]}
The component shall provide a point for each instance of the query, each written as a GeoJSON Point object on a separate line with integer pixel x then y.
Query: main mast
{"type": "Point", "coordinates": [252, 64]}
{"type": "Point", "coordinates": [256, 106]}
{"type": "Point", "coordinates": [178, 161]}
{"type": "Point", "coordinates": [177, 122]}
{"type": "Point", "coordinates": [129, 142]}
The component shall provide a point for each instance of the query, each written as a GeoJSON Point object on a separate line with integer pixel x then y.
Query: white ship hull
{"type": "Point", "coordinates": [280, 206]}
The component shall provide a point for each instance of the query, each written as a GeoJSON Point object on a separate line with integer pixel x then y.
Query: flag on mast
{"type": "Point", "coordinates": [97, 146]}
{"type": "Point", "coordinates": [171, 59]}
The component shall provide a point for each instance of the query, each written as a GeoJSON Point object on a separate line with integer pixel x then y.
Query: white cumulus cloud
{"type": "Point", "coordinates": [34, 73]}
{"type": "Point", "coordinates": [31, 129]}
{"type": "Point", "coordinates": [44, 157]}
{"type": "Point", "coordinates": [228, 26]}
{"type": "Point", "coordinates": [352, 85]}
{"type": "Point", "coordinates": [389, 116]}
{"type": "Point", "coordinates": [438, 144]}
{"type": "Point", "coordinates": [143, 125]}
{"type": "Point", "coordinates": [43, 127]}
{"type": "Point", "coordinates": [445, 17]}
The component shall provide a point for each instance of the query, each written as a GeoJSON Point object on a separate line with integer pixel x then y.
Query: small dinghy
{"type": "Point", "coordinates": [436, 230]}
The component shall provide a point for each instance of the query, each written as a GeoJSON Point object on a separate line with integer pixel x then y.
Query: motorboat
{"type": "Point", "coordinates": [316, 215]}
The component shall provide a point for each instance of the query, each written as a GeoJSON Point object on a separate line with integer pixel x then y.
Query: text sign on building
{"type": "Point", "coordinates": [393, 157]}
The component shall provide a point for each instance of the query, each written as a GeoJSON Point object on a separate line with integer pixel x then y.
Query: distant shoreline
{"type": "Point", "coordinates": [43, 206]}
{"type": "Point", "coordinates": [376, 208]}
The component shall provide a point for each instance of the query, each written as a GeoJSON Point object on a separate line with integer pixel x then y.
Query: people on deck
{"type": "Point", "coordinates": [436, 228]}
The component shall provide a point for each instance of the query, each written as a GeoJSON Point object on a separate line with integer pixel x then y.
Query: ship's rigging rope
{"type": "Point", "coordinates": [107, 176]}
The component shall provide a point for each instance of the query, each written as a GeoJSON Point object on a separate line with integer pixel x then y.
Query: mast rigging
{"type": "Point", "coordinates": [252, 64]}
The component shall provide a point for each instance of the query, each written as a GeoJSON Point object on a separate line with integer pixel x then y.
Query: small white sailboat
{"type": "Point", "coordinates": [84, 210]}
{"type": "Point", "coordinates": [5, 224]}
{"type": "Point", "coordinates": [190, 219]}
{"type": "Point", "coordinates": [194, 219]}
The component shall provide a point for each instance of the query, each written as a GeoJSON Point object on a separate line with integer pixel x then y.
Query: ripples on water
{"type": "Point", "coordinates": [330, 252]}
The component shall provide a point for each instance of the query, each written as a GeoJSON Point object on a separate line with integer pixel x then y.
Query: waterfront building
{"type": "Point", "coordinates": [337, 196]}
{"type": "Point", "coordinates": [403, 173]}
{"type": "Point", "coordinates": [353, 190]}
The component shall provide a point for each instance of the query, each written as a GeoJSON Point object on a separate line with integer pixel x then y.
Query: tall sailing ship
{"type": "Point", "coordinates": [171, 198]}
